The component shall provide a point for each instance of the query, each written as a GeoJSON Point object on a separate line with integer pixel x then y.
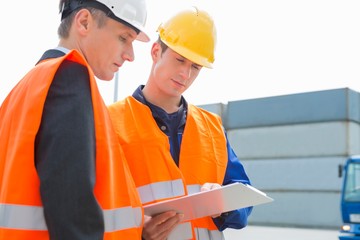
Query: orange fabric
{"type": "Point", "coordinates": [20, 117]}
{"type": "Point", "coordinates": [203, 155]}
{"type": "Point", "coordinates": [13, 234]}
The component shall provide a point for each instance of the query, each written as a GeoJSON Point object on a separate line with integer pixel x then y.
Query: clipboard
{"type": "Point", "coordinates": [212, 202]}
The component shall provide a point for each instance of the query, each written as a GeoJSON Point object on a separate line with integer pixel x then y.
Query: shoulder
{"type": "Point", "coordinates": [74, 69]}
{"type": "Point", "coordinates": [198, 110]}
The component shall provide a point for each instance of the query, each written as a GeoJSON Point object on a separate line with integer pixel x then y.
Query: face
{"type": "Point", "coordinates": [172, 72]}
{"type": "Point", "coordinates": [107, 48]}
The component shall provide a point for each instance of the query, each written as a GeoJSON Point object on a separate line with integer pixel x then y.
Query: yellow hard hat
{"type": "Point", "coordinates": [192, 34]}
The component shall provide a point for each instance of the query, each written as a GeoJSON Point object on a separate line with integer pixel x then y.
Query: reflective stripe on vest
{"type": "Point", "coordinates": [161, 190]}
{"type": "Point", "coordinates": [115, 219]}
{"type": "Point", "coordinates": [194, 188]}
{"type": "Point", "coordinates": [205, 234]}
{"type": "Point", "coordinates": [22, 217]}
{"type": "Point", "coordinates": [184, 231]}
{"type": "Point", "coordinates": [167, 189]}
{"type": "Point", "coordinates": [32, 218]}
{"type": "Point", "coordinates": [181, 232]}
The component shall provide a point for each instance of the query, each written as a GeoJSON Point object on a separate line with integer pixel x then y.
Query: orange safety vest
{"type": "Point", "coordinates": [21, 211]}
{"type": "Point", "coordinates": [203, 158]}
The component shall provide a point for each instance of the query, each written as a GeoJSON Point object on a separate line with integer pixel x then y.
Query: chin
{"type": "Point", "coordinates": [107, 77]}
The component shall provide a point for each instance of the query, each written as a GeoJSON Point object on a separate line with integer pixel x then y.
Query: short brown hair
{"type": "Point", "coordinates": [64, 27]}
{"type": "Point", "coordinates": [162, 45]}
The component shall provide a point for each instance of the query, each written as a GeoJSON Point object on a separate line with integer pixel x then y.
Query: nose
{"type": "Point", "coordinates": [185, 71]}
{"type": "Point", "coordinates": [128, 54]}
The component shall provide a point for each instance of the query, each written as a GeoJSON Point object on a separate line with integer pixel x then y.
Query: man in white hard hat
{"type": "Point", "coordinates": [174, 148]}
{"type": "Point", "coordinates": [62, 173]}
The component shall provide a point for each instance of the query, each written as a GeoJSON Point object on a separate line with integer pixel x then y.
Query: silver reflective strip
{"type": "Point", "coordinates": [181, 232]}
{"type": "Point", "coordinates": [205, 234]}
{"type": "Point", "coordinates": [32, 218]}
{"type": "Point", "coordinates": [217, 235]}
{"type": "Point", "coordinates": [122, 218]}
{"type": "Point", "coordinates": [195, 188]}
{"type": "Point", "coordinates": [161, 190]}
{"type": "Point", "coordinates": [22, 217]}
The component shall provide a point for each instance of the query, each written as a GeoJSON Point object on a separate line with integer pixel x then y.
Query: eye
{"type": "Point", "coordinates": [197, 67]}
{"type": "Point", "coordinates": [122, 38]}
{"type": "Point", "coordinates": [180, 60]}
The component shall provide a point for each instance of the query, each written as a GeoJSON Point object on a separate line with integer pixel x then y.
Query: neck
{"type": "Point", "coordinates": [169, 104]}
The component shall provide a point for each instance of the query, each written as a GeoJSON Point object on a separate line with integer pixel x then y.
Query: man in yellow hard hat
{"type": "Point", "coordinates": [62, 172]}
{"type": "Point", "coordinates": [174, 148]}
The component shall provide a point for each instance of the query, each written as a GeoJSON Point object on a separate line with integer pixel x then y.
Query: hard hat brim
{"type": "Point", "coordinates": [186, 53]}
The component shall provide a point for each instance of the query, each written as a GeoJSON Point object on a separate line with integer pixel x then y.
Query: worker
{"type": "Point", "coordinates": [62, 175]}
{"type": "Point", "coordinates": [174, 148]}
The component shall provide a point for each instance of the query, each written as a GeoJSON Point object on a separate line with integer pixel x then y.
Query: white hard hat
{"type": "Point", "coordinates": [129, 12]}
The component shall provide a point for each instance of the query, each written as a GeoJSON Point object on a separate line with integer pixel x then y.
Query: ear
{"type": "Point", "coordinates": [156, 51]}
{"type": "Point", "coordinates": [83, 21]}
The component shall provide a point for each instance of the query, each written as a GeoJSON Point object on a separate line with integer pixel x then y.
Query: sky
{"type": "Point", "coordinates": [264, 47]}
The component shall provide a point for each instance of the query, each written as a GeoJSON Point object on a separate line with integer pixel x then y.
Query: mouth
{"type": "Point", "coordinates": [178, 83]}
{"type": "Point", "coordinates": [118, 65]}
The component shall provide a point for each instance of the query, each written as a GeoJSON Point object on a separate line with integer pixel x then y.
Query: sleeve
{"type": "Point", "coordinates": [65, 157]}
{"type": "Point", "coordinates": [235, 172]}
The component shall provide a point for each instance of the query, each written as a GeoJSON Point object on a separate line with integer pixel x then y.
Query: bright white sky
{"type": "Point", "coordinates": [265, 47]}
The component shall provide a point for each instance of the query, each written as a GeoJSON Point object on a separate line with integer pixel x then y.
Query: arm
{"type": "Point", "coordinates": [65, 158]}
{"type": "Point", "coordinates": [235, 172]}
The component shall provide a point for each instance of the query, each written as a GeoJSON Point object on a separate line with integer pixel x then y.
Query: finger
{"type": "Point", "coordinates": [163, 217]}
{"type": "Point", "coordinates": [210, 186]}
{"type": "Point", "coordinates": [165, 228]}
{"type": "Point", "coordinates": [215, 186]}
{"type": "Point", "coordinates": [205, 187]}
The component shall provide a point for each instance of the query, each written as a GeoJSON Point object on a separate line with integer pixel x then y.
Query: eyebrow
{"type": "Point", "coordinates": [128, 34]}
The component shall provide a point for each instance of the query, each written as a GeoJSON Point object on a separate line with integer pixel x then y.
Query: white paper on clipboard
{"type": "Point", "coordinates": [208, 203]}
